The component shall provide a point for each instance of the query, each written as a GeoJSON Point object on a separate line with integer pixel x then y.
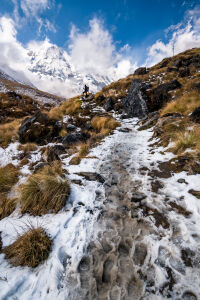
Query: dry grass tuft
{"type": "Point", "coordinates": [28, 147]}
{"type": "Point", "coordinates": [69, 107]}
{"type": "Point", "coordinates": [185, 140]}
{"type": "Point", "coordinates": [9, 132]}
{"type": "Point", "coordinates": [184, 104]}
{"type": "Point", "coordinates": [104, 124]}
{"type": "Point", "coordinates": [30, 249]}
{"type": "Point", "coordinates": [8, 177]}
{"type": "Point", "coordinates": [44, 192]}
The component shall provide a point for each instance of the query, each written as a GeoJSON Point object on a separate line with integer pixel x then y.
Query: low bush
{"type": "Point", "coordinates": [8, 177]}
{"type": "Point", "coordinates": [184, 104]}
{"type": "Point", "coordinates": [9, 132]}
{"type": "Point", "coordinates": [45, 191]}
{"type": "Point", "coordinates": [69, 107]}
{"type": "Point", "coordinates": [30, 249]}
{"type": "Point", "coordinates": [104, 124]}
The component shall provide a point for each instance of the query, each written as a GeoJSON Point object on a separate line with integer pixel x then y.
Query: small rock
{"type": "Point", "coordinates": [92, 176]}
{"type": "Point", "coordinates": [195, 193]}
{"type": "Point", "coordinates": [182, 180]}
{"type": "Point", "coordinates": [195, 116]}
{"type": "Point", "coordinates": [137, 197]}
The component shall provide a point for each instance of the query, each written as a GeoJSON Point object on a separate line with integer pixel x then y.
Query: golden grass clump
{"type": "Point", "coordinates": [45, 191]}
{"type": "Point", "coordinates": [28, 147]}
{"type": "Point", "coordinates": [69, 107]}
{"type": "Point", "coordinates": [104, 124]}
{"type": "Point", "coordinates": [187, 140]}
{"type": "Point", "coordinates": [83, 151]}
{"type": "Point", "coordinates": [184, 104]}
{"type": "Point", "coordinates": [9, 132]}
{"type": "Point", "coordinates": [30, 249]}
{"type": "Point", "coordinates": [8, 177]}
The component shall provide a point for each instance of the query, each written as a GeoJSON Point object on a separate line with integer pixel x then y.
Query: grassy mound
{"type": "Point", "coordinates": [30, 249]}
{"type": "Point", "coordinates": [104, 125]}
{"type": "Point", "coordinates": [8, 178]}
{"type": "Point", "coordinates": [44, 192]}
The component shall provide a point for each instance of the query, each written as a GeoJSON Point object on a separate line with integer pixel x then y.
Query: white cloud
{"type": "Point", "coordinates": [13, 58]}
{"type": "Point", "coordinates": [30, 10]}
{"type": "Point", "coordinates": [184, 36]}
{"type": "Point", "coordinates": [95, 51]}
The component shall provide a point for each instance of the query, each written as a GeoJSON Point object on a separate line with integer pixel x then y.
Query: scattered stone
{"type": "Point", "coordinates": [124, 130]}
{"type": "Point", "coordinates": [74, 138]}
{"type": "Point", "coordinates": [195, 193]}
{"type": "Point", "coordinates": [182, 180]}
{"type": "Point", "coordinates": [92, 176]}
{"type": "Point", "coordinates": [150, 122]}
{"type": "Point", "coordinates": [71, 127]}
{"type": "Point", "coordinates": [38, 128]}
{"type": "Point", "coordinates": [140, 254]}
{"type": "Point", "coordinates": [77, 181]}
{"type": "Point", "coordinates": [134, 105]}
{"type": "Point", "coordinates": [137, 197]}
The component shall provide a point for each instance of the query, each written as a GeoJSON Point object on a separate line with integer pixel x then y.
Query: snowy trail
{"type": "Point", "coordinates": [117, 240]}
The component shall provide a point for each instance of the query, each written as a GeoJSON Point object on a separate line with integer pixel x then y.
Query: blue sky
{"type": "Point", "coordinates": [107, 37]}
{"type": "Point", "coordinates": [137, 23]}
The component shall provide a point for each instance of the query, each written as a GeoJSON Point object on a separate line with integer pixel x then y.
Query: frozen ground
{"type": "Point", "coordinates": [134, 237]}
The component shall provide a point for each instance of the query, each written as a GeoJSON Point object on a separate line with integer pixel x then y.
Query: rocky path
{"type": "Point", "coordinates": [144, 247]}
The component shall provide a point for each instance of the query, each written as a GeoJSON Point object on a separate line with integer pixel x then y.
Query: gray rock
{"type": "Point", "coordinates": [92, 176]}
{"type": "Point", "coordinates": [134, 105]}
{"type": "Point", "coordinates": [109, 105]}
{"type": "Point", "coordinates": [141, 71]}
{"type": "Point", "coordinates": [137, 197]}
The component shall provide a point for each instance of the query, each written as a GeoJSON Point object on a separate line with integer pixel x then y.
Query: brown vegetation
{"type": "Point", "coordinates": [30, 249]}
{"type": "Point", "coordinates": [44, 192]}
{"type": "Point", "coordinates": [70, 107]}
{"type": "Point", "coordinates": [9, 132]}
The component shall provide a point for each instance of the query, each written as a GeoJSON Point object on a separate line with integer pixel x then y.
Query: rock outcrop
{"type": "Point", "coordinates": [134, 105]}
{"type": "Point", "coordinates": [38, 129]}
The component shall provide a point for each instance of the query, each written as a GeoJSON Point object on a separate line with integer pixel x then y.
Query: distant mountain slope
{"type": "Point", "coordinates": [7, 84]}
{"type": "Point", "coordinates": [49, 62]}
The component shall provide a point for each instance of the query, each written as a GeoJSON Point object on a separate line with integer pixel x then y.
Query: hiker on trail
{"type": "Point", "coordinates": [86, 90]}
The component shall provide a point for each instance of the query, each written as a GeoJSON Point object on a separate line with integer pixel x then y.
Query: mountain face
{"type": "Point", "coordinates": [49, 62]}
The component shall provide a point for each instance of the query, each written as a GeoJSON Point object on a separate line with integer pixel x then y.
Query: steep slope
{"type": "Point", "coordinates": [128, 227]}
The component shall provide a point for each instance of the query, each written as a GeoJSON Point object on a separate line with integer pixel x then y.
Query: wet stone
{"type": "Point", "coordinates": [181, 180]}
{"type": "Point", "coordinates": [137, 197]}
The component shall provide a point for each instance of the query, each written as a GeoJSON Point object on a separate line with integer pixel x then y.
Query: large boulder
{"type": "Point", "coordinates": [38, 129]}
{"type": "Point", "coordinates": [161, 95]}
{"type": "Point", "coordinates": [109, 105]}
{"type": "Point", "coordinates": [134, 105]}
{"type": "Point", "coordinates": [141, 71]}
